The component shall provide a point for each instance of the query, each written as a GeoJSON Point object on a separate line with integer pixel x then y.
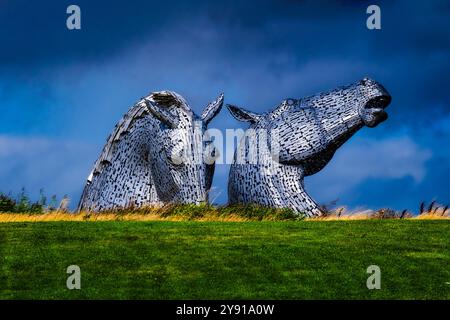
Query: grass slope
{"type": "Point", "coordinates": [226, 260]}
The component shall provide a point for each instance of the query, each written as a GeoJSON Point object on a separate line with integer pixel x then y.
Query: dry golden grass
{"type": "Point", "coordinates": [364, 216]}
{"type": "Point", "coordinates": [437, 213]}
{"type": "Point", "coordinates": [432, 216]}
{"type": "Point", "coordinates": [208, 214]}
{"type": "Point", "coordinates": [64, 216]}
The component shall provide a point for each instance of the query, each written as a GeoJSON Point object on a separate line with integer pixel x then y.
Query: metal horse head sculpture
{"type": "Point", "coordinates": [154, 156]}
{"type": "Point", "coordinates": [302, 137]}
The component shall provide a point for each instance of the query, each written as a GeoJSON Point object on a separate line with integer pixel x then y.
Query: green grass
{"type": "Point", "coordinates": [226, 260]}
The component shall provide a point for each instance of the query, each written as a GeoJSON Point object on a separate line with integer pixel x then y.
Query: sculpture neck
{"type": "Point", "coordinates": [273, 185]}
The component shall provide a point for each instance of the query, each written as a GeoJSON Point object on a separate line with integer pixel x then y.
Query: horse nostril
{"type": "Point", "coordinates": [385, 100]}
{"type": "Point", "coordinates": [382, 101]}
{"type": "Point", "coordinates": [378, 102]}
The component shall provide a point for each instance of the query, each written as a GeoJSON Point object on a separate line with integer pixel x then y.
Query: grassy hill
{"type": "Point", "coordinates": [226, 260]}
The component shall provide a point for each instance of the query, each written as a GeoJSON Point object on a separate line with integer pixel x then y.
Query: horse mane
{"type": "Point", "coordinates": [136, 112]}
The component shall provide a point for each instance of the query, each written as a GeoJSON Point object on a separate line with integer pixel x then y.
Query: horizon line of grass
{"type": "Point", "coordinates": [207, 212]}
{"type": "Point", "coordinates": [22, 205]}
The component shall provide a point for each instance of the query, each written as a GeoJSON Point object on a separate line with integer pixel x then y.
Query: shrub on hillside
{"type": "Point", "coordinates": [6, 203]}
{"type": "Point", "coordinates": [23, 204]}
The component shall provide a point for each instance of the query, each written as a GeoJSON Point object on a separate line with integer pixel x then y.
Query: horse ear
{"type": "Point", "coordinates": [158, 104]}
{"type": "Point", "coordinates": [212, 109]}
{"type": "Point", "coordinates": [242, 114]}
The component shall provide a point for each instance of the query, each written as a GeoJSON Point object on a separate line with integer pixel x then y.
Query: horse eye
{"type": "Point", "coordinates": [176, 157]}
{"type": "Point", "coordinates": [175, 161]}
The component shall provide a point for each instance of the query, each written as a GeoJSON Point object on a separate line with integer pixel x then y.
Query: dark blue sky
{"type": "Point", "coordinates": [61, 91]}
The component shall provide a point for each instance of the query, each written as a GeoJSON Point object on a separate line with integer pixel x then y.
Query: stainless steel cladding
{"type": "Point", "coordinates": [145, 161]}
{"type": "Point", "coordinates": [301, 137]}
